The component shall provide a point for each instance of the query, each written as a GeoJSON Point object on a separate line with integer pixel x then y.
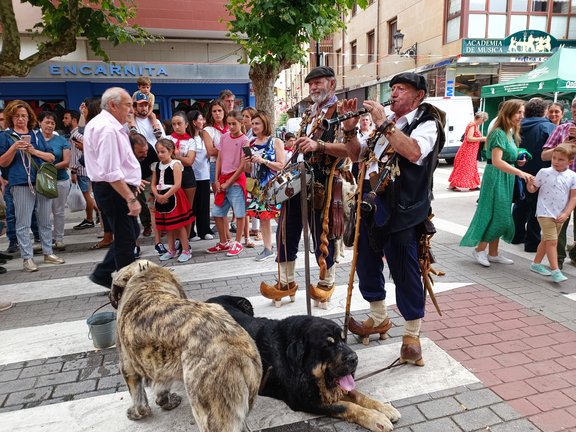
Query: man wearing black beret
{"type": "Point", "coordinates": [415, 135]}
{"type": "Point", "coordinates": [317, 147]}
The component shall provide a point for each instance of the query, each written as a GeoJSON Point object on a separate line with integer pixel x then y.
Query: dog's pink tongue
{"type": "Point", "coordinates": [347, 383]}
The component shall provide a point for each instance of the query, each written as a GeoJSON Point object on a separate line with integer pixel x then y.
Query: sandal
{"type": "Point", "coordinates": [99, 245]}
{"type": "Point", "coordinates": [248, 243]}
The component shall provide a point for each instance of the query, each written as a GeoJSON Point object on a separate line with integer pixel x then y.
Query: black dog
{"type": "Point", "coordinates": [307, 364]}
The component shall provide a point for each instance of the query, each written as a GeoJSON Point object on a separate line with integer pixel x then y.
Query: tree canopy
{"type": "Point", "coordinates": [63, 22]}
{"type": "Point", "coordinates": [274, 34]}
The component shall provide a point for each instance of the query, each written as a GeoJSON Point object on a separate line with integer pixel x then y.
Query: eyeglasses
{"type": "Point", "coordinates": [22, 116]}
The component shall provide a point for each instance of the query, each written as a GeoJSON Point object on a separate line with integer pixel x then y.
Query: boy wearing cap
{"type": "Point", "coordinates": [415, 134]}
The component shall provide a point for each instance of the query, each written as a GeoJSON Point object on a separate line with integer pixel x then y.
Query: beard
{"type": "Point", "coordinates": [320, 97]}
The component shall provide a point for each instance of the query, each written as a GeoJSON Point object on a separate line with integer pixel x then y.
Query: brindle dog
{"type": "Point", "coordinates": [308, 365]}
{"type": "Point", "coordinates": [163, 337]}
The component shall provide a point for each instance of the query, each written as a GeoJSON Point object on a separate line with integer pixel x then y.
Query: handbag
{"type": "Point", "coordinates": [165, 207]}
{"type": "Point", "coordinates": [75, 200]}
{"type": "Point", "coordinates": [253, 187]}
{"type": "Point", "coordinates": [46, 176]}
{"type": "Point", "coordinates": [46, 179]}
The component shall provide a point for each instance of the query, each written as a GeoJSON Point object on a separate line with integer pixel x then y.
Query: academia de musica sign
{"type": "Point", "coordinates": [520, 43]}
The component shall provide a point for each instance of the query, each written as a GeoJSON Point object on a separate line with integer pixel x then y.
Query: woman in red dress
{"type": "Point", "coordinates": [465, 173]}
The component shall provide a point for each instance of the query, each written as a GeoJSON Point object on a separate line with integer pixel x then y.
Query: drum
{"type": "Point", "coordinates": [286, 184]}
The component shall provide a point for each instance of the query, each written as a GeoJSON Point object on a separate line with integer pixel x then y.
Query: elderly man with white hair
{"type": "Point", "coordinates": [116, 177]}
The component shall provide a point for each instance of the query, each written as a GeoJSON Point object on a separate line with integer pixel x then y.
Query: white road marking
{"type": "Point", "coordinates": [81, 285]}
{"type": "Point", "coordinates": [58, 339]}
{"type": "Point", "coordinates": [108, 412]}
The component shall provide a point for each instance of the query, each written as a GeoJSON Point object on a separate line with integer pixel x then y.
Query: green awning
{"type": "Point", "coordinates": [557, 74]}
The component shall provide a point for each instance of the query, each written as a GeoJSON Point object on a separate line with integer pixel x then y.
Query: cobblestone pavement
{"type": "Point", "coordinates": [513, 330]}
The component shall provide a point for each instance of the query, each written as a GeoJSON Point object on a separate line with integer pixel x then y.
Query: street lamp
{"type": "Point", "coordinates": [398, 41]}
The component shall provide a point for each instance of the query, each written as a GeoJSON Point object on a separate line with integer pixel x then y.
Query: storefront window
{"type": "Point", "coordinates": [477, 26]}
{"type": "Point", "coordinates": [518, 23]}
{"type": "Point", "coordinates": [519, 6]}
{"type": "Point", "coordinates": [497, 5]}
{"type": "Point", "coordinates": [479, 5]}
{"type": "Point", "coordinates": [470, 83]}
{"type": "Point", "coordinates": [558, 27]}
{"type": "Point", "coordinates": [431, 80]}
{"type": "Point", "coordinates": [497, 27]}
{"type": "Point", "coordinates": [538, 22]}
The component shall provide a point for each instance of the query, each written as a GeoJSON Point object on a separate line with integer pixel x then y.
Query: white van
{"type": "Point", "coordinates": [459, 112]}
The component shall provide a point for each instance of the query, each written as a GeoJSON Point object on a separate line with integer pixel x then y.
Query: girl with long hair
{"type": "Point", "coordinates": [200, 228]}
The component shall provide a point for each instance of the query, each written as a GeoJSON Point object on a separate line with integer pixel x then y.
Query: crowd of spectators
{"type": "Point", "coordinates": [189, 148]}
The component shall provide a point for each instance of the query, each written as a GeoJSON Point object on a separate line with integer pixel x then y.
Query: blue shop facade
{"type": "Point", "coordinates": [58, 86]}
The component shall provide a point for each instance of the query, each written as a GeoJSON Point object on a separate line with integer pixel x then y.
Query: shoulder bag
{"type": "Point", "coordinates": [46, 179]}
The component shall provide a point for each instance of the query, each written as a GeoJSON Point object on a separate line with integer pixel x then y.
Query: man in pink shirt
{"type": "Point", "coordinates": [116, 177]}
{"type": "Point", "coordinates": [564, 132]}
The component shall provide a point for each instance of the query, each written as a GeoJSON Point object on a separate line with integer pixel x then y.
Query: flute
{"type": "Point", "coordinates": [326, 123]}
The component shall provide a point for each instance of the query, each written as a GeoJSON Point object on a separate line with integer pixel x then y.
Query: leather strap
{"type": "Point", "coordinates": [337, 209]}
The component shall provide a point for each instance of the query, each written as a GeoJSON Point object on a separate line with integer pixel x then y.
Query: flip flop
{"type": "Point", "coordinates": [99, 245]}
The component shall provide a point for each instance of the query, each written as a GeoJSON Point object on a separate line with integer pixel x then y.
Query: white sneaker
{"type": "Point", "coordinates": [500, 259]}
{"type": "Point", "coordinates": [208, 237]}
{"type": "Point", "coordinates": [481, 258]}
{"type": "Point", "coordinates": [195, 239]}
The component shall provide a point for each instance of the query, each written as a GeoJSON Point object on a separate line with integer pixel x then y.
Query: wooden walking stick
{"type": "Point", "coordinates": [355, 248]}
{"type": "Point", "coordinates": [304, 209]}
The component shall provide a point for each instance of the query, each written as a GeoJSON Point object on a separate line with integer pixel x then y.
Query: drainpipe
{"type": "Point", "coordinates": [377, 42]}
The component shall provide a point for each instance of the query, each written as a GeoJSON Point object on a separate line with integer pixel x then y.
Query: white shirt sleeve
{"type": "Point", "coordinates": [425, 135]}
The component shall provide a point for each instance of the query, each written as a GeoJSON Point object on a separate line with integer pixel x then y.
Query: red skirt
{"type": "Point", "coordinates": [465, 173]}
{"type": "Point", "coordinates": [179, 217]}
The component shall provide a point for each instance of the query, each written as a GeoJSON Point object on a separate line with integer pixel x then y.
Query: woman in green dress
{"type": "Point", "coordinates": [493, 217]}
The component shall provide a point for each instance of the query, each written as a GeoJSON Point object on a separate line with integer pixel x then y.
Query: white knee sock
{"type": "Point", "coordinates": [287, 272]}
{"type": "Point", "coordinates": [412, 328]}
{"type": "Point", "coordinates": [378, 312]}
{"type": "Point", "coordinates": [329, 277]}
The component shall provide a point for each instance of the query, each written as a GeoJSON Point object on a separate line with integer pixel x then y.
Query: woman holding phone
{"type": "Point", "coordinates": [267, 156]}
{"type": "Point", "coordinates": [19, 144]}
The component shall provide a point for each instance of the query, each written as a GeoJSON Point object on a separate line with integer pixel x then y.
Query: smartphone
{"type": "Point", "coordinates": [26, 138]}
{"type": "Point", "coordinates": [247, 151]}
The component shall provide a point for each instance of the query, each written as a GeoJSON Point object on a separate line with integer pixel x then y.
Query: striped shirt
{"type": "Point", "coordinates": [76, 153]}
{"type": "Point", "coordinates": [557, 137]}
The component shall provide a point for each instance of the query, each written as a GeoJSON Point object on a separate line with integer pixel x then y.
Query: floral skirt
{"type": "Point", "coordinates": [259, 210]}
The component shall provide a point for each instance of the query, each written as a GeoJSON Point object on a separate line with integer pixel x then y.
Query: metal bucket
{"type": "Point", "coordinates": [102, 329]}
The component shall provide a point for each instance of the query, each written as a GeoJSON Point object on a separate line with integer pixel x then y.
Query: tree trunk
{"type": "Point", "coordinates": [263, 77]}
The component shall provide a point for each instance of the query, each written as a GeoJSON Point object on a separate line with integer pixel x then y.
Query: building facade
{"type": "Point", "coordinates": [459, 45]}
{"type": "Point", "coordinates": [189, 67]}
